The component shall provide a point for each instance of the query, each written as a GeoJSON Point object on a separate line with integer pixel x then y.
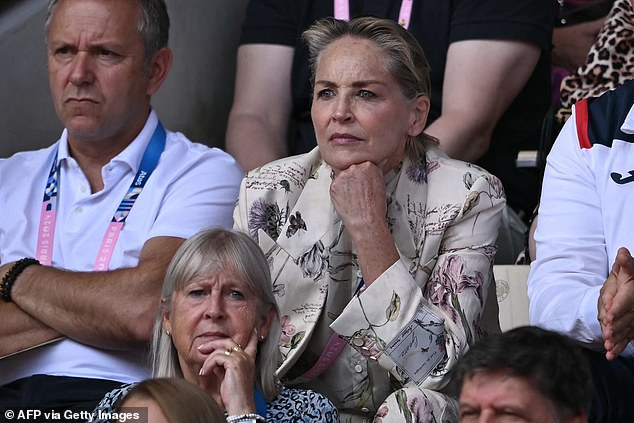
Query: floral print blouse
{"type": "Point", "coordinates": [405, 332]}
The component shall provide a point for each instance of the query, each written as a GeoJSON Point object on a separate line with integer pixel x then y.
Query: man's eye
{"type": "Point", "coordinates": [64, 51]}
{"type": "Point", "coordinates": [469, 416]}
{"type": "Point", "coordinates": [510, 416]}
{"type": "Point", "coordinates": [366, 94]}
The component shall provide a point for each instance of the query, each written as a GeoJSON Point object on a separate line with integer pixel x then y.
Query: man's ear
{"type": "Point", "coordinates": [418, 115]}
{"type": "Point", "coordinates": [158, 69]}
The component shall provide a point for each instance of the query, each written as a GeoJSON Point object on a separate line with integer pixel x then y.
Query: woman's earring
{"type": "Point", "coordinates": [262, 338]}
{"type": "Point", "coordinates": [167, 332]}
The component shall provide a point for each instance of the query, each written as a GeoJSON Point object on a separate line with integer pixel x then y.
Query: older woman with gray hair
{"type": "Point", "coordinates": [218, 328]}
{"type": "Point", "coordinates": [380, 246]}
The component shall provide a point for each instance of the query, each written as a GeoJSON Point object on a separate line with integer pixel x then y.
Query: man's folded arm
{"type": "Point", "coordinates": [114, 309]}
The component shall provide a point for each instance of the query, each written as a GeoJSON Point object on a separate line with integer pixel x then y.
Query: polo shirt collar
{"type": "Point", "coordinates": [131, 155]}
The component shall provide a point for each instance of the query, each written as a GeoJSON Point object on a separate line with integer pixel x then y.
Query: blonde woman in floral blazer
{"type": "Point", "coordinates": [376, 235]}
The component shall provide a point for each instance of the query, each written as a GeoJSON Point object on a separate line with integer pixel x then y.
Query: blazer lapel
{"type": "Point", "coordinates": [300, 253]}
{"type": "Point", "coordinates": [406, 213]}
{"type": "Point", "coordinates": [312, 216]}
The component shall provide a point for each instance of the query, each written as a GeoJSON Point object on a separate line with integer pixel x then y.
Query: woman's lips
{"type": "Point", "coordinates": [338, 138]}
{"type": "Point", "coordinates": [210, 336]}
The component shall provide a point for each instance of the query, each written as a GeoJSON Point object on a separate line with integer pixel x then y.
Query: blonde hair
{"type": "Point", "coordinates": [406, 60]}
{"type": "Point", "coordinates": [203, 254]}
{"type": "Point", "coordinates": [179, 400]}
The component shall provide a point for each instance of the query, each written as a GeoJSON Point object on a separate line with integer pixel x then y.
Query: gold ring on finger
{"type": "Point", "coordinates": [229, 351]}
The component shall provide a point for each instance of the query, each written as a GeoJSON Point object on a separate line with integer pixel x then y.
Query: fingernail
{"type": "Point", "coordinates": [200, 373]}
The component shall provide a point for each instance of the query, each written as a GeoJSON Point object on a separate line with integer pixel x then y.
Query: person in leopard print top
{"type": "Point", "coordinates": [610, 61]}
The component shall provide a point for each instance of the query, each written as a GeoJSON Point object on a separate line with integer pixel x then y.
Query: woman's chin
{"type": "Point", "coordinates": [343, 163]}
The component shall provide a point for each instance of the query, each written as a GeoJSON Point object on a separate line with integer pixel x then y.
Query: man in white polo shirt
{"type": "Point", "coordinates": [90, 224]}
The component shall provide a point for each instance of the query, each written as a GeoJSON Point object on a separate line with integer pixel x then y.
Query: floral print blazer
{"type": "Point", "coordinates": [444, 217]}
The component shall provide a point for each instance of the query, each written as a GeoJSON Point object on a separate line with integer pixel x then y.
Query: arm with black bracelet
{"type": "Point", "coordinates": [20, 330]}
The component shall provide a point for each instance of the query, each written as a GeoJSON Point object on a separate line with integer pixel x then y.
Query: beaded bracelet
{"type": "Point", "coordinates": [12, 275]}
{"type": "Point", "coordinates": [246, 418]}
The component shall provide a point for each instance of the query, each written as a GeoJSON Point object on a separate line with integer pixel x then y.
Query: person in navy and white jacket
{"type": "Point", "coordinates": [582, 282]}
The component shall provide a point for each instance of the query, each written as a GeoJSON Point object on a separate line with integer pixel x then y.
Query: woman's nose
{"type": "Point", "coordinates": [215, 308]}
{"type": "Point", "coordinates": [343, 110]}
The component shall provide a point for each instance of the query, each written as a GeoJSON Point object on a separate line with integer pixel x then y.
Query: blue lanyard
{"type": "Point", "coordinates": [149, 161]}
{"type": "Point", "coordinates": [48, 217]}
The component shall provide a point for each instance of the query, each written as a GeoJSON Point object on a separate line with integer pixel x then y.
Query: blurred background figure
{"type": "Point", "coordinates": [171, 400]}
{"type": "Point", "coordinates": [577, 23]}
{"type": "Point", "coordinates": [609, 58]}
{"type": "Point", "coordinates": [593, 52]}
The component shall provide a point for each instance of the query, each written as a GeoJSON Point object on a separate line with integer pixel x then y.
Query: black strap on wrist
{"type": "Point", "coordinates": [12, 275]}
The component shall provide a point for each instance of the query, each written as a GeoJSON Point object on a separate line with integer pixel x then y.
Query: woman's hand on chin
{"type": "Point", "coordinates": [358, 195]}
{"type": "Point", "coordinates": [233, 369]}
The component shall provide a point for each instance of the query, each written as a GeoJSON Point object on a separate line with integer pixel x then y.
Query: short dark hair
{"type": "Point", "coordinates": [154, 25]}
{"type": "Point", "coordinates": [555, 364]}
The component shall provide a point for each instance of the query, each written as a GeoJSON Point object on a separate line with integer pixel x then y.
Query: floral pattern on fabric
{"type": "Point", "coordinates": [267, 217]}
{"type": "Point", "coordinates": [290, 406]}
{"type": "Point", "coordinates": [412, 407]}
{"type": "Point", "coordinates": [443, 216]}
{"type": "Point", "coordinates": [448, 280]}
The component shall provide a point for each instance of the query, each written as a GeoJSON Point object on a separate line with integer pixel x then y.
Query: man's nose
{"type": "Point", "coordinates": [486, 416]}
{"type": "Point", "coordinates": [82, 69]}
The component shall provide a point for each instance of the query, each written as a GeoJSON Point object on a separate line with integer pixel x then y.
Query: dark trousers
{"type": "Point", "coordinates": [52, 393]}
{"type": "Point", "coordinates": [613, 389]}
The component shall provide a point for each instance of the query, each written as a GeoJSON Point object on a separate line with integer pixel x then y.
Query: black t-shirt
{"type": "Point", "coordinates": [435, 24]}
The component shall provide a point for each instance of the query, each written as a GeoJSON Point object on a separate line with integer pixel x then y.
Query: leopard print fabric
{"type": "Point", "coordinates": [610, 61]}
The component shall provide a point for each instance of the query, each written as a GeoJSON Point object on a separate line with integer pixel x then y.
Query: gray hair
{"type": "Point", "coordinates": [154, 25]}
{"type": "Point", "coordinates": [206, 253]}
{"type": "Point", "coordinates": [406, 60]}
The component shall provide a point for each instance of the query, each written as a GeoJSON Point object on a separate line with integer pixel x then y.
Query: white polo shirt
{"type": "Point", "coordinates": [193, 187]}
